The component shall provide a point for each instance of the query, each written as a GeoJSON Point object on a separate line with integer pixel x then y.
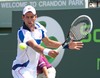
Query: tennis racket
{"type": "Point", "coordinates": [79, 29]}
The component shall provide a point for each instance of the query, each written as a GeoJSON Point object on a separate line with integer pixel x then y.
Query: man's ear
{"type": "Point", "coordinates": [36, 16]}
{"type": "Point", "coordinates": [23, 17]}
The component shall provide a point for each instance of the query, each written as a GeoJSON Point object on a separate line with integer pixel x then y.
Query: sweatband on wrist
{"type": "Point", "coordinates": [66, 46]}
{"type": "Point", "coordinates": [46, 51]}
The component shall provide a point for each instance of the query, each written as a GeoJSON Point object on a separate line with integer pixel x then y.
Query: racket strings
{"type": "Point", "coordinates": [80, 30]}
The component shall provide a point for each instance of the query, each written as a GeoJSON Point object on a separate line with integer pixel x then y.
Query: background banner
{"type": "Point", "coordinates": [7, 6]}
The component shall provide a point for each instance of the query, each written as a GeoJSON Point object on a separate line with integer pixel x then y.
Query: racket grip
{"type": "Point", "coordinates": [59, 48]}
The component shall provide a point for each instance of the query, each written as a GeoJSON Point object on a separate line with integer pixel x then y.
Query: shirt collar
{"type": "Point", "coordinates": [25, 27]}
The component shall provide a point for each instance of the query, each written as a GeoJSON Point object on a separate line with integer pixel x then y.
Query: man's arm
{"type": "Point", "coordinates": [51, 43]}
{"type": "Point", "coordinates": [41, 49]}
{"type": "Point", "coordinates": [77, 45]}
{"type": "Point", "coordinates": [35, 46]}
{"type": "Point", "coordinates": [45, 71]}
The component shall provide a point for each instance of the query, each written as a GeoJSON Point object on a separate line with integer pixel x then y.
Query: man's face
{"type": "Point", "coordinates": [29, 19]}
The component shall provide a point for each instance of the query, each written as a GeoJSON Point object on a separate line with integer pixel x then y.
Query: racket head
{"type": "Point", "coordinates": [80, 27]}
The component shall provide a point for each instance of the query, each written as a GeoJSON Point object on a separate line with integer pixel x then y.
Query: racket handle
{"type": "Point", "coordinates": [59, 48]}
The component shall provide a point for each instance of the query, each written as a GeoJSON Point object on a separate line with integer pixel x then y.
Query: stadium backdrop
{"type": "Point", "coordinates": [74, 64]}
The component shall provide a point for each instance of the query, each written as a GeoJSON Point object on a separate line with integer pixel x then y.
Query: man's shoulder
{"type": "Point", "coordinates": [21, 29]}
{"type": "Point", "coordinates": [40, 26]}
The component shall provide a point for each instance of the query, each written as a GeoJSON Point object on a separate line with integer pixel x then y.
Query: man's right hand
{"type": "Point", "coordinates": [53, 53]}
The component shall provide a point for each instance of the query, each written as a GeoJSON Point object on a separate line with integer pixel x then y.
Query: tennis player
{"type": "Point", "coordinates": [32, 33]}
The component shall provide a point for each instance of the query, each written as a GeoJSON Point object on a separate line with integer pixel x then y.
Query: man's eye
{"type": "Point", "coordinates": [32, 16]}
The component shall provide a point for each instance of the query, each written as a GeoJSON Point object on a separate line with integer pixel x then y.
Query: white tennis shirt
{"type": "Point", "coordinates": [28, 57]}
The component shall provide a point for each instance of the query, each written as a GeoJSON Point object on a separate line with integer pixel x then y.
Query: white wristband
{"type": "Point", "coordinates": [46, 51]}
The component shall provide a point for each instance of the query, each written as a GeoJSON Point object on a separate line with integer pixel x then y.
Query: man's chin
{"type": "Point", "coordinates": [30, 25]}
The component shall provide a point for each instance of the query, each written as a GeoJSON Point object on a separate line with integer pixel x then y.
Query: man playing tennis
{"type": "Point", "coordinates": [32, 33]}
